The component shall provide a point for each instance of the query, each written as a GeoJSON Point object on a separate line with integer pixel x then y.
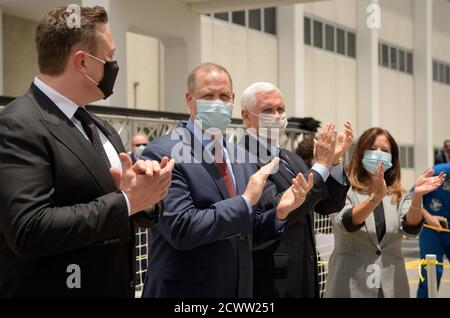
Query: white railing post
{"type": "Point", "coordinates": [431, 275]}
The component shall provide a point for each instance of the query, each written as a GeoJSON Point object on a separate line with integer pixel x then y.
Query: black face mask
{"type": "Point", "coordinates": [110, 71]}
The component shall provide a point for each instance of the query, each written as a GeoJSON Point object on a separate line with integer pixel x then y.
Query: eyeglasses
{"type": "Point", "coordinates": [138, 145]}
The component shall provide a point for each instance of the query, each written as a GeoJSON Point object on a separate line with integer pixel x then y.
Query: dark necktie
{"type": "Point", "coordinates": [380, 221]}
{"type": "Point", "coordinates": [223, 169]}
{"type": "Point", "coordinates": [92, 132]}
{"type": "Point", "coordinates": [284, 160]}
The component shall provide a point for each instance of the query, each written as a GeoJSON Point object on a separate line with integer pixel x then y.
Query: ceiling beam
{"type": "Point", "coordinates": [235, 5]}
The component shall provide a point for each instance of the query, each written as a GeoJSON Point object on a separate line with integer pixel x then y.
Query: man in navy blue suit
{"type": "Point", "coordinates": [202, 245]}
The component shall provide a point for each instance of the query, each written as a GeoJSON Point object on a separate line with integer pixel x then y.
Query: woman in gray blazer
{"type": "Point", "coordinates": [367, 260]}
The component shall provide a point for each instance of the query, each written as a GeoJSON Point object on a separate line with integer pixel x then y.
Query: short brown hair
{"type": "Point", "coordinates": [359, 177]}
{"type": "Point", "coordinates": [55, 37]}
{"type": "Point", "coordinates": [205, 67]}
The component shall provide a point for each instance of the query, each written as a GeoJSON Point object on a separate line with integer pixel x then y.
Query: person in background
{"type": "Point", "coordinates": [367, 259]}
{"type": "Point", "coordinates": [138, 145]}
{"type": "Point", "coordinates": [288, 267]}
{"type": "Point", "coordinates": [436, 213]}
{"type": "Point", "coordinates": [305, 150]}
{"type": "Point", "coordinates": [443, 156]}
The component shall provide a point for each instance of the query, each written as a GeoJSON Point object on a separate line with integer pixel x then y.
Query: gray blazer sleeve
{"type": "Point", "coordinates": [403, 208]}
{"type": "Point", "coordinates": [338, 218]}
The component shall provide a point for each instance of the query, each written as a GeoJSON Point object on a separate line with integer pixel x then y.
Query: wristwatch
{"type": "Point", "coordinates": [372, 199]}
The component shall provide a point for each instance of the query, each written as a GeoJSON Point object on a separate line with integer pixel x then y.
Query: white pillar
{"type": "Point", "coordinates": [176, 68]}
{"type": "Point", "coordinates": [291, 58]}
{"type": "Point", "coordinates": [367, 71]}
{"type": "Point", "coordinates": [423, 80]}
{"type": "Point", "coordinates": [119, 32]}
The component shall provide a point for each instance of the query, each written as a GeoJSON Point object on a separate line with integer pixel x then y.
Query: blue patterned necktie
{"type": "Point", "coordinates": [284, 160]}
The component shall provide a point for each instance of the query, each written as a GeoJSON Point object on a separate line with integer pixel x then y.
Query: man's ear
{"type": "Point", "coordinates": [190, 102]}
{"type": "Point", "coordinates": [78, 60]}
{"type": "Point", "coordinates": [187, 97]}
{"type": "Point", "coordinates": [245, 114]}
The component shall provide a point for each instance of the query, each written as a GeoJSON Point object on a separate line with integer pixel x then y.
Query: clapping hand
{"type": "Point", "coordinates": [145, 183]}
{"type": "Point", "coordinates": [325, 145]}
{"type": "Point", "coordinates": [344, 141]}
{"type": "Point", "coordinates": [294, 196]}
{"type": "Point", "coordinates": [427, 183]}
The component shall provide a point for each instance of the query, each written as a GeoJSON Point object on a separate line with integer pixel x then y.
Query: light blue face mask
{"type": "Point", "coordinates": [373, 157]}
{"type": "Point", "coordinates": [214, 113]}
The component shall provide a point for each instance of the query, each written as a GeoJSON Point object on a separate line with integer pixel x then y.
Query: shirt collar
{"type": "Point", "coordinates": [67, 106]}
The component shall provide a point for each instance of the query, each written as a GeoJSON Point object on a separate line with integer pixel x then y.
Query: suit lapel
{"type": "Point", "coordinates": [391, 217]}
{"type": "Point", "coordinates": [68, 134]}
{"type": "Point", "coordinates": [200, 155]}
{"type": "Point", "coordinates": [369, 222]}
{"type": "Point", "coordinates": [255, 148]}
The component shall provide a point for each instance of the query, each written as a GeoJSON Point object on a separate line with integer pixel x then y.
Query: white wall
{"type": "Point", "coordinates": [441, 30]}
{"type": "Point", "coordinates": [19, 57]}
{"type": "Point", "coordinates": [441, 51]}
{"type": "Point", "coordinates": [330, 86]}
{"type": "Point", "coordinates": [248, 55]}
{"type": "Point", "coordinates": [397, 88]}
{"type": "Point", "coordinates": [143, 66]}
{"type": "Point", "coordinates": [397, 25]}
{"type": "Point", "coordinates": [340, 12]}
{"type": "Point", "coordinates": [330, 78]}
{"type": "Point", "coordinates": [397, 104]}
{"type": "Point", "coordinates": [174, 25]}
{"type": "Point", "coordinates": [441, 113]}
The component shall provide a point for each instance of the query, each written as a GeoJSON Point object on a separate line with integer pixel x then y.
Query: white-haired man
{"type": "Point", "coordinates": [288, 268]}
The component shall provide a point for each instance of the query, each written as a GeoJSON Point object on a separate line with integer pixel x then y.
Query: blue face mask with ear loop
{"type": "Point", "coordinates": [372, 158]}
{"type": "Point", "coordinates": [214, 113]}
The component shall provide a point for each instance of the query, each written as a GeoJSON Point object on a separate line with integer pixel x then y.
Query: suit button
{"type": "Point", "coordinates": [242, 237]}
{"type": "Point", "coordinates": [378, 252]}
{"type": "Point", "coordinates": [132, 284]}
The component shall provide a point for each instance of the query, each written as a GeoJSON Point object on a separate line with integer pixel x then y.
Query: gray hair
{"type": "Point", "coordinates": [248, 96]}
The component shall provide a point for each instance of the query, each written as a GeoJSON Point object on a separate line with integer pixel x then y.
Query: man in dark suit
{"type": "Point", "coordinates": [288, 267]}
{"type": "Point", "coordinates": [68, 190]}
{"type": "Point", "coordinates": [443, 155]}
{"type": "Point", "coordinates": [202, 245]}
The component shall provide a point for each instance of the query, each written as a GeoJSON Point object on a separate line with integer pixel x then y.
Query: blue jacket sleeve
{"type": "Point", "coordinates": [184, 225]}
